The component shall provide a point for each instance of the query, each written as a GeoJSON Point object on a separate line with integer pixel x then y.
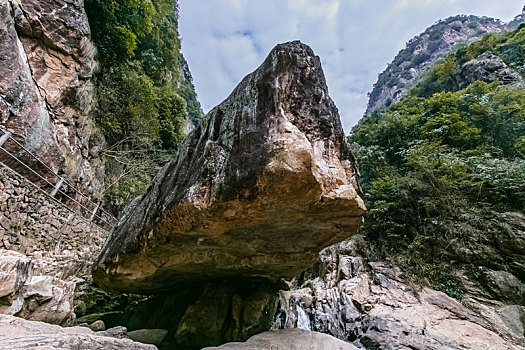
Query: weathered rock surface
{"type": "Point", "coordinates": [256, 190]}
{"type": "Point", "coordinates": [33, 297]}
{"type": "Point", "coordinates": [369, 304]}
{"type": "Point", "coordinates": [286, 339]}
{"type": "Point", "coordinates": [45, 86]}
{"type": "Point", "coordinates": [17, 333]}
{"type": "Point", "coordinates": [15, 269]}
{"type": "Point", "coordinates": [486, 67]}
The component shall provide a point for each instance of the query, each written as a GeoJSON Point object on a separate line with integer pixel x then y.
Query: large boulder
{"type": "Point", "coordinates": [256, 190]}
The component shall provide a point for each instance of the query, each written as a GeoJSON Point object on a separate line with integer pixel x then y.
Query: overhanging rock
{"type": "Point", "coordinates": [256, 191]}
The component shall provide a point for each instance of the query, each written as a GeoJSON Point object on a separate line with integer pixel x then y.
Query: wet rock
{"type": "Point", "coordinates": [107, 317]}
{"type": "Point", "coordinates": [256, 190]}
{"type": "Point", "coordinates": [203, 315]}
{"type": "Point", "coordinates": [80, 308]}
{"type": "Point", "coordinates": [285, 339]}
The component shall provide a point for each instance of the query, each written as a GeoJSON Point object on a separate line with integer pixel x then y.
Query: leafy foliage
{"type": "Point", "coordinates": [144, 92]}
{"type": "Point", "coordinates": [436, 170]}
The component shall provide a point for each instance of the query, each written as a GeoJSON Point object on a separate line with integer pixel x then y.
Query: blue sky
{"type": "Point", "coordinates": [224, 40]}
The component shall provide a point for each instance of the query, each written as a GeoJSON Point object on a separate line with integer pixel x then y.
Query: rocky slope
{"type": "Point", "coordinates": [424, 50]}
{"type": "Point", "coordinates": [256, 191]}
{"type": "Point", "coordinates": [370, 304]}
{"type": "Point", "coordinates": [45, 87]}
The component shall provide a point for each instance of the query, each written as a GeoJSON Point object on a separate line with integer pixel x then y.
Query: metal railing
{"type": "Point", "coordinates": [60, 188]}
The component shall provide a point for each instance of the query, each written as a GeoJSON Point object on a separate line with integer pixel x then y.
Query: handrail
{"type": "Point", "coordinates": [104, 218]}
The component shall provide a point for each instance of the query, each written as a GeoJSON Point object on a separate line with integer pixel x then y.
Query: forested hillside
{"type": "Point", "coordinates": [144, 92]}
{"type": "Point", "coordinates": [423, 51]}
{"type": "Point", "coordinates": [443, 173]}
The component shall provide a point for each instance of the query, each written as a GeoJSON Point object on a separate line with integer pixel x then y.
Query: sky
{"type": "Point", "coordinates": [224, 40]}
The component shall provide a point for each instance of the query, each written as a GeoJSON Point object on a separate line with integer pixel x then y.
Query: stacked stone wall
{"type": "Point", "coordinates": [60, 242]}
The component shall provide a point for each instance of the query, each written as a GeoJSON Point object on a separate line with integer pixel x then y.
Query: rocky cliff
{"type": "Point", "coordinates": [256, 191]}
{"type": "Point", "coordinates": [423, 51]}
{"type": "Point", "coordinates": [45, 87]}
{"type": "Point", "coordinates": [370, 303]}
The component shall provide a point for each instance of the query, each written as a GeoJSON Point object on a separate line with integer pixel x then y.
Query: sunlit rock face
{"type": "Point", "coordinates": [256, 190]}
{"type": "Point", "coordinates": [46, 89]}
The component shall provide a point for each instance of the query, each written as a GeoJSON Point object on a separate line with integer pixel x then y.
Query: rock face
{"type": "Point", "coordinates": [17, 333]}
{"type": "Point", "coordinates": [424, 50]}
{"type": "Point", "coordinates": [31, 296]}
{"type": "Point", "coordinates": [46, 89]}
{"type": "Point", "coordinates": [486, 67]}
{"type": "Point", "coordinates": [286, 339]}
{"type": "Point", "coordinates": [256, 190]}
{"type": "Point", "coordinates": [369, 304]}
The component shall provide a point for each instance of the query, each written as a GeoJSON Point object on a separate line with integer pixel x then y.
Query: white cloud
{"type": "Point", "coordinates": [224, 40]}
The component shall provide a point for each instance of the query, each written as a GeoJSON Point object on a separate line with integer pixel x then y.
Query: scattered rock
{"type": "Point", "coordinates": [97, 326]}
{"type": "Point", "coordinates": [105, 316]}
{"type": "Point", "coordinates": [203, 315]}
{"type": "Point", "coordinates": [148, 336]}
{"type": "Point", "coordinates": [38, 298]}
{"type": "Point", "coordinates": [15, 270]}
{"type": "Point", "coordinates": [285, 339]}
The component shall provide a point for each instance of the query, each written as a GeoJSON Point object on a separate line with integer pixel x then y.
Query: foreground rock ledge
{"type": "Point", "coordinates": [256, 191]}
{"type": "Point", "coordinates": [19, 334]}
{"type": "Point", "coordinates": [285, 339]}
